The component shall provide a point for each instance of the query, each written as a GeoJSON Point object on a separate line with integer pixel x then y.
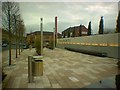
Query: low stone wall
{"type": "Point", "coordinates": [108, 44]}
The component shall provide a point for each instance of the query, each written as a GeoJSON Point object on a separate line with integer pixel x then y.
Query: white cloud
{"type": "Point", "coordinates": [62, 0]}
{"type": "Point", "coordinates": [69, 14]}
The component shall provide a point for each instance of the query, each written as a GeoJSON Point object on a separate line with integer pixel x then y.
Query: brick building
{"type": "Point", "coordinates": [75, 31]}
{"type": "Point", "coordinates": [47, 37]}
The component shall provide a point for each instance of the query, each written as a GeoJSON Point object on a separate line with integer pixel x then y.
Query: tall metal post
{"type": "Point", "coordinates": [41, 28]}
{"type": "Point", "coordinates": [55, 31]}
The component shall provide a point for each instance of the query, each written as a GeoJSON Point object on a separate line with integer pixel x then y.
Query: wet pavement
{"type": "Point", "coordinates": [108, 82]}
{"type": "Point", "coordinates": [62, 69]}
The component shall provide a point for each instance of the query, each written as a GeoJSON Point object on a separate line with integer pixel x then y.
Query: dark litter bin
{"type": "Point", "coordinates": [37, 67]}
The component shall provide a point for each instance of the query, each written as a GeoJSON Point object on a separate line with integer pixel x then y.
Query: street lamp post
{"type": "Point", "coordinates": [56, 31]}
{"type": "Point", "coordinates": [41, 28]}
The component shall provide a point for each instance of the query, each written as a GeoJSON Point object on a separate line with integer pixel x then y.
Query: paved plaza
{"type": "Point", "coordinates": [62, 69]}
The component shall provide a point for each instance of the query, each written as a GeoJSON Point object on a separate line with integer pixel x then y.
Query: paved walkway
{"type": "Point", "coordinates": [62, 69]}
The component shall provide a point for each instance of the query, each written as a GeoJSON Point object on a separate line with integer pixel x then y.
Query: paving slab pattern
{"type": "Point", "coordinates": [61, 69]}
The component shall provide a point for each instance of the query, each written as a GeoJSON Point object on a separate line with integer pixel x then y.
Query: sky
{"type": "Point", "coordinates": [69, 14]}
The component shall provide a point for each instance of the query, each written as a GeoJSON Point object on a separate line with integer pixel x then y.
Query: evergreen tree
{"type": "Point", "coordinates": [101, 26]}
{"type": "Point", "coordinates": [89, 28]}
{"type": "Point", "coordinates": [118, 24]}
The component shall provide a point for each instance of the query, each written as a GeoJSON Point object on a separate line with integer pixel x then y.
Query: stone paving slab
{"type": "Point", "coordinates": [61, 69]}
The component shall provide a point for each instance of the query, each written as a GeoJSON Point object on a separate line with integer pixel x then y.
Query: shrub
{"type": "Point", "coordinates": [38, 45]}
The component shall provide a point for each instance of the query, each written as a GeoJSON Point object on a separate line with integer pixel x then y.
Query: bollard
{"type": "Point", "coordinates": [30, 77]}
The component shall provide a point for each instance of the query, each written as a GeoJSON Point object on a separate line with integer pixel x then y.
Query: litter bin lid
{"type": "Point", "coordinates": [37, 57]}
{"type": "Point", "coordinates": [38, 60]}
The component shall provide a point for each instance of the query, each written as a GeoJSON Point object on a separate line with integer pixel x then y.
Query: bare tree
{"type": "Point", "coordinates": [21, 34]}
{"type": "Point", "coordinates": [9, 9]}
{"type": "Point", "coordinates": [16, 24]}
